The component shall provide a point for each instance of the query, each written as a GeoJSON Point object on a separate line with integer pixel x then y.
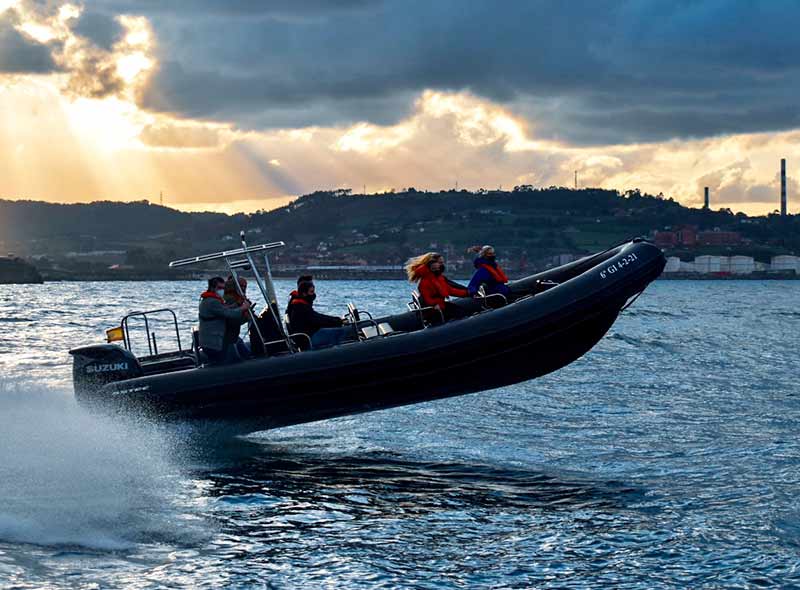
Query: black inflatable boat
{"type": "Point", "coordinates": [554, 317]}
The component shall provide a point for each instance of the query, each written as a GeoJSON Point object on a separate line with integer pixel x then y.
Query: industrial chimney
{"type": "Point", "coordinates": [783, 187]}
{"type": "Point", "coordinates": [705, 191]}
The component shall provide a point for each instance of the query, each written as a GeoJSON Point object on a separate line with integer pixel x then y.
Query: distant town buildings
{"type": "Point", "coordinates": [719, 238]}
{"type": "Point", "coordinates": [689, 236]}
{"type": "Point", "coordinates": [732, 265]}
{"type": "Point", "coordinates": [680, 236]}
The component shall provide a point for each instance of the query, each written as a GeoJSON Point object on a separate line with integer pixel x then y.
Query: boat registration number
{"type": "Point", "coordinates": [618, 265]}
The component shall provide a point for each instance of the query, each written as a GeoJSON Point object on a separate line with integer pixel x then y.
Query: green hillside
{"type": "Point", "coordinates": [526, 225]}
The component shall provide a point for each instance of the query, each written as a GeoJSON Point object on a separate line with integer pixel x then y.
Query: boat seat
{"type": "Point", "coordinates": [168, 363]}
{"type": "Point", "coordinates": [426, 314]}
{"type": "Point", "coordinates": [381, 329]}
{"type": "Point", "coordinates": [368, 327]}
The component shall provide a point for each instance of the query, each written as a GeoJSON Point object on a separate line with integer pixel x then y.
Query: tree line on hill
{"type": "Point", "coordinates": [338, 226]}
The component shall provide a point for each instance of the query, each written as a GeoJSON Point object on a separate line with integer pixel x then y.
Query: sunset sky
{"type": "Point", "coordinates": [240, 105]}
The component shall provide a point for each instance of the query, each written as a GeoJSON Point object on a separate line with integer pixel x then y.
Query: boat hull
{"type": "Point", "coordinates": [521, 341]}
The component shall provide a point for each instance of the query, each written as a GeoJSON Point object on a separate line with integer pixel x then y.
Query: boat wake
{"type": "Point", "coordinates": [71, 478]}
{"type": "Point", "coordinates": [787, 313]}
{"type": "Point", "coordinates": [375, 483]}
{"type": "Point", "coordinates": [659, 313]}
{"type": "Point", "coordinates": [649, 342]}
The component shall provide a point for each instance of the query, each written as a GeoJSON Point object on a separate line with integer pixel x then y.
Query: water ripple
{"type": "Point", "coordinates": [667, 457]}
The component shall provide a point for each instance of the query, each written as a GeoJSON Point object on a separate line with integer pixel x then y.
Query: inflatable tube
{"type": "Point", "coordinates": [555, 318]}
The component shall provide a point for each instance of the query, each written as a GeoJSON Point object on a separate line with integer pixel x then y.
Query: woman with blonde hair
{"type": "Point", "coordinates": [434, 287]}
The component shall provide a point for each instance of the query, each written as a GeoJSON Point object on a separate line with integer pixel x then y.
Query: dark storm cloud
{"type": "Point", "coordinates": [241, 8]}
{"type": "Point", "coordinates": [19, 54]}
{"type": "Point", "coordinates": [595, 71]}
{"type": "Point", "coordinates": [99, 28]}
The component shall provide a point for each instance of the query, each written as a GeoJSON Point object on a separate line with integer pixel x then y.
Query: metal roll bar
{"type": "Point", "coordinates": [226, 253]}
{"type": "Point", "coordinates": [265, 284]}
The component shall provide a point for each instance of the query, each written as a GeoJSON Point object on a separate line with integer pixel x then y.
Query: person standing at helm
{"type": "Point", "coordinates": [434, 287]}
{"type": "Point", "coordinates": [213, 316]}
{"type": "Point", "coordinates": [488, 273]}
{"type": "Point", "coordinates": [233, 299]}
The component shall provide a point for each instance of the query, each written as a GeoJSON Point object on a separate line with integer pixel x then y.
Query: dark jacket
{"type": "Point", "coordinates": [233, 327]}
{"type": "Point", "coordinates": [488, 273]}
{"type": "Point", "coordinates": [435, 289]}
{"type": "Point", "coordinates": [213, 317]}
{"type": "Point", "coordinates": [303, 318]}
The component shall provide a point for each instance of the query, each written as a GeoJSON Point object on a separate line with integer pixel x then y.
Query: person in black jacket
{"type": "Point", "coordinates": [233, 328]}
{"type": "Point", "coordinates": [324, 330]}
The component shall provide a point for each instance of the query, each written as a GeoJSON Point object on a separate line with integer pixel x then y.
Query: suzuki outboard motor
{"type": "Point", "coordinates": [95, 366]}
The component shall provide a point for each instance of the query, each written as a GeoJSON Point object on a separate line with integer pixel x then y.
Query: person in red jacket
{"type": "Point", "coordinates": [434, 287]}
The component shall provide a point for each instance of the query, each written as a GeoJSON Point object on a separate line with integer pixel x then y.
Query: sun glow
{"type": "Point", "coordinates": [6, 4]}
{"type": "Point", "coordinates": [138, 33]}
{"type": "Point", "coordinates": [68, 11]}
{"type": "Point", "coordinates": [110, 124]}
{"type": "Point", "coordinates": [479, 122]}
{"type": "Point", "coordinates": [41, 32]}
{"type": "Point", "coordinates": [129, 67]}
{"type": "Point", "coordinates": [366, 138]}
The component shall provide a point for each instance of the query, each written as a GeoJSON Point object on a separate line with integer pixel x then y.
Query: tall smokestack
{"type": "Point", "coordinates": [705, 191]}
{"type": "Point", "coordinates": [783, 187]}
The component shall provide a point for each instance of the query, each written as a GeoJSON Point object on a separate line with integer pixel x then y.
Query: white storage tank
{"type": "Point", "coordinates": [707, 264]}
{"type": "Point", "coordinates": [673, 264]}
{"type": "Point", "coordinates": [561, 259]}
{"type": "Point", "coordinates": [688, 267]}
{"type": "Point", "coordinates": [785, 262]}
{"type": "Point", "coordinates": [742, 265]}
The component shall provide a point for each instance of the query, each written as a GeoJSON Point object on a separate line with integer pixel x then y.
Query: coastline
{"type": "Point", "coordinates": [722, 276]}
{"type": "Point", "coordinates": [366, 276]}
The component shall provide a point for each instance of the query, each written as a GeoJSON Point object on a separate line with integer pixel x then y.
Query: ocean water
{"type": "Point", "coordinates": [667, 457]}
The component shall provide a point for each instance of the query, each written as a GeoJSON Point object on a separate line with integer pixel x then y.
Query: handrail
{"type": "Point", "coordinates": [416, 306]}
{"type": "Point", "coordinates": [143, 314]}
{"type": "Point", "coordinates": [292, 336]}
{"type": "Point", "coordinates": [355, 314]}
{"type": "Point", "coordinates": [484, 299]}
